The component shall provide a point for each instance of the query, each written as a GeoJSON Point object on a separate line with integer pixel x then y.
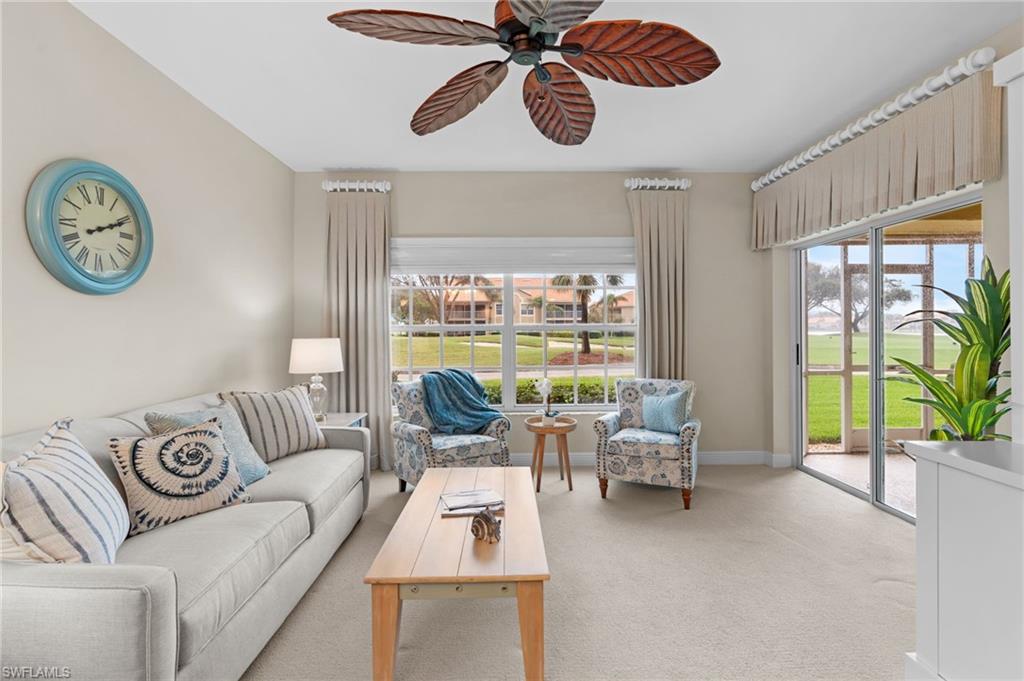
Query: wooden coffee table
{"type": "Point", "coordinates": [428, 557]}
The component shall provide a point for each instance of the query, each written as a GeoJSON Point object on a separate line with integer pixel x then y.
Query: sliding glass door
{"type": "Point", "coordinates": [860, 301]}
{"type": "Point", "coordinates": [837, 391]}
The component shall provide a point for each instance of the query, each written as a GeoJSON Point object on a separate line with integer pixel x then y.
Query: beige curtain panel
{"type": "Point", "coordinates": [946, 142]}
{"type": "Point", "coordinates": [356, 309]}
{"type": "Point", "coordinates": [659, 228]}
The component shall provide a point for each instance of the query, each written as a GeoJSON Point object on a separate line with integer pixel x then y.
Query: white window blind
{"type": "Point", "coordinates": [504, 255]}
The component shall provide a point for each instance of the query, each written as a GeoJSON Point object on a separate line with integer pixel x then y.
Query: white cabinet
{"type": "Point", "coordinates": [970, 561]}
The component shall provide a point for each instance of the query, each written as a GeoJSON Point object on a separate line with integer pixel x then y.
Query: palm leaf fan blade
{"type": "Point", "coordinates": [414, 27]}
{"type": "Point", "coordinates": [561, 108]}
{"type": "Point", "coordinates": [645, 54]}
{"type": "Point", "coordinates": [555, 15]}
{"type": "Point", "coordinates": [459, 96]}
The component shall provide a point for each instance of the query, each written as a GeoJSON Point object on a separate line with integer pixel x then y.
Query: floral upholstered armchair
{"type": "Point", "coordinates": [418, 445]}
{"type": "Point", "coordinates": [626, 450]}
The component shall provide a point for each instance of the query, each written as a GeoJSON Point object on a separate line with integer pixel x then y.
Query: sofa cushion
{"type": "Point", "coordinates": [279, 423]}
{"type": "Point", "coordinates": [250, 466]}
{"type": "Point", "coordinates": [176, 475]}
{"type": "Point", "coordinates": [94, 434]}
{"type": "Point", "coordinates": [651, 444]}
{"type": "Point", "coordinates": [319, 478]}
{"type": "Point", "coordinates": [220, 559]}
{"type": "Point", "coordinates": [57, 506]}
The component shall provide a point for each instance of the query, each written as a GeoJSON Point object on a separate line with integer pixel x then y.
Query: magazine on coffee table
{"type": "Point", "coordinates": [471, 511]}
{"type": "Point", "coordinates": [471, 498]}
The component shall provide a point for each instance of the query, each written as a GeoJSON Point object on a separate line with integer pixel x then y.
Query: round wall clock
{"type": "Point", "coordinates": [89, 226]}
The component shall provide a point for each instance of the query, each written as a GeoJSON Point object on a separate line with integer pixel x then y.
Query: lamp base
{"type": "Point", "coordinates": [318, 398]}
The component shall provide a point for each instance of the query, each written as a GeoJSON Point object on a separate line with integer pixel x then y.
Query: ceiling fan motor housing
{"type": "Point", "coordinates": [526, 49]}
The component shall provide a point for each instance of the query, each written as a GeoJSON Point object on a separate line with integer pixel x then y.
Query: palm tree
{"type": "Point", "coordinates": [436, 292]}
{"type": "Point", "coordinates": [586, 284]}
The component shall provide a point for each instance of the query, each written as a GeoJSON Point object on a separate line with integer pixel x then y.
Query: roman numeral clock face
{"type": "Point", "coordinates": [98, 230]}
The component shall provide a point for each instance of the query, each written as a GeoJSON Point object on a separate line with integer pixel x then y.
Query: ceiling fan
{"type": "Point", "coordinates": [632, 52]}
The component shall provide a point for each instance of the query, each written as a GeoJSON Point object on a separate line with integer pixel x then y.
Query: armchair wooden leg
{"type": "Point", "coordinates": [604, 487]}
{"type": "Point", "coordinates": [686, 498]}
{"type": "Point", "coordinates": [401, 485]}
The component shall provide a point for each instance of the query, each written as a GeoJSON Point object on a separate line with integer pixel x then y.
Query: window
{"type": "Point", "coordinates": [583, 340]}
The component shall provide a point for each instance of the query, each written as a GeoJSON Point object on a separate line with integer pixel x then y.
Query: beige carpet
{"type": "Point", "coordinates": [771, 575]}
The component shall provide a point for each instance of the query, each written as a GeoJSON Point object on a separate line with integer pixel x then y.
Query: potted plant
{"type": "Point", "coordinates": [968, 399]}
{"type": "Point", "coordinates": [544, 387]}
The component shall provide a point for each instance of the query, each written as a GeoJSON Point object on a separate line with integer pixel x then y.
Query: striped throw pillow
{"type": "Point", "coordinates": [58, 506]}
{"type": "Point", "coordinates": [278, 423]}
{"type": "Point", "coordinates": [176, 475]}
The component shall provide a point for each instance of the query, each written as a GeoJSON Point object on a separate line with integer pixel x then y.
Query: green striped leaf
{"type": "Point", "coordinates": [971, 373]}
{"type": "Point", "coordinates": [939, 390]}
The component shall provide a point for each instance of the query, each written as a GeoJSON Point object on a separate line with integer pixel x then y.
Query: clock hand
{"type": "Point", "coordinates": [112, 225]}
{"type": "Point", "coordinates": [102, 227]}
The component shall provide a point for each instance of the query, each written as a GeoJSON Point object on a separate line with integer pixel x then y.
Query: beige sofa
{"type": "Point", "coordinates": [197, 599]}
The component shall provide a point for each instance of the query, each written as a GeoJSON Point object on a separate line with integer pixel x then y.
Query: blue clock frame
{"type": "Point", "coordinates": [42, 212]}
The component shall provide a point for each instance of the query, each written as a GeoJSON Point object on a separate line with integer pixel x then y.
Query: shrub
{"type": "Point", "coordinates": [591, 391]}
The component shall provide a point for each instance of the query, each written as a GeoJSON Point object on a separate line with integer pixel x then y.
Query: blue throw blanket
{"type": "Point", "coordinates": [456, 402]}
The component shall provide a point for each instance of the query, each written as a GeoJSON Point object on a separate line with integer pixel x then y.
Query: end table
{"type": "Point", "coordinates": [344, 420]}
{"type": "Point", "coordinates": [560, 429]}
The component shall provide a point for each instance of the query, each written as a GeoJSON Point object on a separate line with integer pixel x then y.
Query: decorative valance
{"type": "Point", "coordinates": [949, 140]}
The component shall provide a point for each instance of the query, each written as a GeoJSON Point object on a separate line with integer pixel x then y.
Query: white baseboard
{"type": "Point", "coordinates": [916, 670]}
{"type": "Point", "coordinates": [752, 458]}
{"type": "Point", "coordinates": [778, 460]}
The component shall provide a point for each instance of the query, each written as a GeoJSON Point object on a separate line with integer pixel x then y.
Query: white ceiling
{"type": "Point", "coordinates": [318, 97]}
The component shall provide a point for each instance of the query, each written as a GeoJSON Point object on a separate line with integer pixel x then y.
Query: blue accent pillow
{"type": "Point", "coordinates": [250, 466]}
{"type": "Point", "coordinates": [666, 414]}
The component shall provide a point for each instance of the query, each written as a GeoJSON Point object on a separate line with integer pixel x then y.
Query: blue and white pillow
{"type": "Point", "coordinates": [250, 466]}
{"type": "Point", "coordinates": [58, 506]}
{"type": "Point", "coordinates": [176, 475]}
{"type": "Point", "coordinates": [665, 413]}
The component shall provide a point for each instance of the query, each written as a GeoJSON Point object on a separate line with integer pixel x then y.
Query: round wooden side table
{"type": "Point", "coordinates": [562, 427]}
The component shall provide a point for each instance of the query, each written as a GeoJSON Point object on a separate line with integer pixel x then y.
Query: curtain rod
{"type": "Point", "coordinates": [975, 62]}
{"type": "Point", "coordinates": [381, 186]}
{"type": "Point", "coordinates": [677, 184]}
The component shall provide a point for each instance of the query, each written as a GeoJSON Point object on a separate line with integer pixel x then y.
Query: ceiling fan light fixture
{"type": "Point", "coordinates": [631, 52]}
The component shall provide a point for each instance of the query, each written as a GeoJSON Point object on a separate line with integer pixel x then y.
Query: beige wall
{"type": "Point", "coordinates": [214, 309]}
{"type": "Point", "coordinates": [728, 304]}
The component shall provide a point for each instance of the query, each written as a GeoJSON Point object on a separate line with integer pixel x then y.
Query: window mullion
{"type": "Point", "coordinates": [576, 367]}
{"type": "Point", "coordinates": [508, 348]}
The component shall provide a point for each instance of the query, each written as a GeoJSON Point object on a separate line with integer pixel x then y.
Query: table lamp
{"type": "Point", "coordinates": [315, 356]}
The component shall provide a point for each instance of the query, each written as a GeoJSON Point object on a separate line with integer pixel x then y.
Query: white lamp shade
{"type": "Point", "coordinates": [315, 356]}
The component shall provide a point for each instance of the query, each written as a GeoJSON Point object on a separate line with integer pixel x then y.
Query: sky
{"type": "Point", "coordinates": [950, 268]}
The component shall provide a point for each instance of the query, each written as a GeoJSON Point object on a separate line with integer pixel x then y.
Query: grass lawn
{"type": "Point", "coordinates": [529, 350]}
{"type": "Point", "coordinates": [827, 349]}
{"type": "Point", "coordinates": [823, 406]}
{"type": "Point", "coordinates": [823, 391]}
